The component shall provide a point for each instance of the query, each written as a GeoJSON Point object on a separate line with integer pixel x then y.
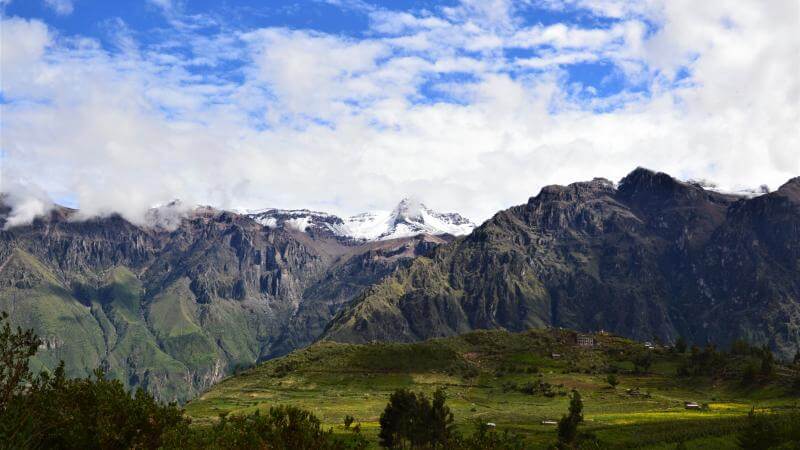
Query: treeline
{"type": "Point", "coordinates": [47, 410]}
{"type": "Point", "coordinates": [752, 364]}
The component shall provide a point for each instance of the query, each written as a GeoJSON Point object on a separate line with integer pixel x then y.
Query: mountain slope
{"type": "Point", "coordinates": [175, 310]}
{"type": "Point", "coordinates": [652, 256]}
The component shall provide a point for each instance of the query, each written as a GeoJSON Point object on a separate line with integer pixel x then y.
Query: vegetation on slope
{"type": "Point", "coordinates": [520, 380]}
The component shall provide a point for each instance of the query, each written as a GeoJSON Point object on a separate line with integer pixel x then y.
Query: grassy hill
{"type": "Point", "coordinates": [516, 381]}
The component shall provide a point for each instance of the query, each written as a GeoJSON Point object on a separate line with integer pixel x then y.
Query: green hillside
{"type": "Point", "coordinates": [515, 381]}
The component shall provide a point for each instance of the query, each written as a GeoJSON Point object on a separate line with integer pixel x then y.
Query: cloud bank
{"type": "Point", "coordinates": [472, 108]}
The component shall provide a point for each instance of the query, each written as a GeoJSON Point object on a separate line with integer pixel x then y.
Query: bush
{"type": "Point", "coordinates": [49, 411]}
{"type": "Point", "coordinates": [770, 431]}
{"type": "Point", "coordinates": [284, 427]}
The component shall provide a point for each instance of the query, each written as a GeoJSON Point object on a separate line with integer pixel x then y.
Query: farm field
{"type": "Point", "coordinates": [516, 381]}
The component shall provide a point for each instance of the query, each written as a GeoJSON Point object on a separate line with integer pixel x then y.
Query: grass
{"type": "Point", "coordinates": [334, 380]}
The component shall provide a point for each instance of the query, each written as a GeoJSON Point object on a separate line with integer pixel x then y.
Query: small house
{"type": "Point", "coordinates": [549, 422]}
{"type": "Point", "coordinates": [691, 405]}
{"type": "Point", "coordinates": [585, 341]}
{"type": "Point", "coordinates": [555, 355]}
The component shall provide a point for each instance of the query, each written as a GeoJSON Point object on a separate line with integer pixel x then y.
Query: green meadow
{"type": "Point", "coordinates": [515, 381]}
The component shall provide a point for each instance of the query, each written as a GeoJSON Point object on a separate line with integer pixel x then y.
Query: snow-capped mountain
{"type": "Point", "coordinates": [409, 218]}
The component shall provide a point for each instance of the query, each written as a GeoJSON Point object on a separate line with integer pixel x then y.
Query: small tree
{"type": "Point", "coordinates": [680, 345]}
{"type": "Point", "coordinates": [16, 349]}
{"type": "Point", "coordinates": [797, 358]}
{"type": "Point", "coordinates": [643, 361]}
{"type": "Point", "coordinates": [767, 362]}
{"type": "Point", "coordinates": [612, 380]}
{"type": "Point", "coordinates": [441, 420]}
{"type": "Point", "coordinates": [348, 420]}
{"type": "Point", "coordinates": [568, 425]}
{"type": "Point", "coordinates": [749, 374]}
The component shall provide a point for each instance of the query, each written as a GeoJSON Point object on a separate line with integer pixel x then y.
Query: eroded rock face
{"type": "Point", "coordinates": [652, 256]}
{"type": "Point", "coordinates": [175, 311]}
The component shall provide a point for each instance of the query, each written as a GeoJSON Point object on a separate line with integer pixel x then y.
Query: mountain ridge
{"type": "Point", "coordinates": [649, 256]}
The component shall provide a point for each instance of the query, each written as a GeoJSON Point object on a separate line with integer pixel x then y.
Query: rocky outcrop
{"type": "Point", "coordinates": [651, 256]}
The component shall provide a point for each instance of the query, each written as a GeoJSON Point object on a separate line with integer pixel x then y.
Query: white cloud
{"type": "Point", "coordinates": [332, 123]}
{"type": "Point", "coordinates": [60, 7]}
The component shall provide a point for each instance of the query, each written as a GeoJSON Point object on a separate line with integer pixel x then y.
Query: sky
{"type": "Point", "coordinates": [349, 105]}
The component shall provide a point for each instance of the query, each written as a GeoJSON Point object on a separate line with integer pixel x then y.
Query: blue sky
{"type": "Point", "coordinates": [152, 23]}
{"type": "Point", "coordinates": [346, 105]}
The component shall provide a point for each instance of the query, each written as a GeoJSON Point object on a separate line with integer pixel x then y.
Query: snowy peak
{"type": "Point", "coordinates": [409, 218]}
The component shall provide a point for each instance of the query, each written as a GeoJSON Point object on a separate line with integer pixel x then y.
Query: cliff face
{"type": "Point", "coordinates": [651, 256]}
{"type": "Point", "coordinates": [175, 311]}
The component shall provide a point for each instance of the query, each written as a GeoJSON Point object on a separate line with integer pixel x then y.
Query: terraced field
{"type": "Point", "coordinates": [514, 381]}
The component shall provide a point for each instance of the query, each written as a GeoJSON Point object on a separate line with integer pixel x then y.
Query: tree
{"type": "Point", "coordinates": [749, 374]}
{"type": "Point", "coordinates": [767, 362]}
{"type": "Point", "coordinates": [348, 420]}
{"type": "Point", "coordinates": [612, 380]}
{"type": "Point", "coordinates": [643, 361]}
{"type": "Point", "coordinates": [441, 420]}
{"type": "Point", "coordinates": [412, 418]}
{"type": "Point", "coordinates": [568, 425]}
{"type": "Point", "coordinates": [797, 358]}
{"type": "Point", "coordinates": [680, 345]}
{"type": "Point", "coordinates": [16, 349]}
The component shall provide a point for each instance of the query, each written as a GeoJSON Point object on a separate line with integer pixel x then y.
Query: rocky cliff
{"type": "Point", "coordinates": [648, 257]}
{"type": "Point", "coordinates": [174, 311]}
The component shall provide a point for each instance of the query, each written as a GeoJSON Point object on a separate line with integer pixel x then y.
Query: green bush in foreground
{"type": "Point", "coordinates": [283, 428]}
{"type": "Point", "coordinates": [765, 430]}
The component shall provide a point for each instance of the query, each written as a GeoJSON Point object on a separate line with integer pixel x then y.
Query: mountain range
{"type": "Point", "coordinates": [409, 218]}
{"type": "Point", "coordinates": [650, 257]}
{"type": "Point", "coordinates": [176, 308]}
{"type": "Point", "coordinates": [176, 305]}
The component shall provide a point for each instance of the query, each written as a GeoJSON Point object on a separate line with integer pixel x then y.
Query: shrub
{"type": "Point", "coordinates": [284, 427]}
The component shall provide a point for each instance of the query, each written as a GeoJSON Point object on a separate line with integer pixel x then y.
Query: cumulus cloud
{"type": "Point", "coordinates": [467, 108]}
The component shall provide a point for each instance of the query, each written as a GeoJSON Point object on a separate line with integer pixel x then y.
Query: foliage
{"type": "Point", "coordinates": [16, 349]}
{"type": "Point", "coordinates": [411, 418]}
{"type": "Point", "coordinates": [680, 345]}
{"type": "Point", "coordinates": [612, 380]}
{"type": "Point", "coordinates": [282, 428]}
{"type": "Point", "coordinates": [643, 361]}
{"type": "Point", "coordinates": [50, 411]}
{"type": "Point", "coordinates": [770, 430]}
{"type": "Point", "coordinates": [486, 438]}
{"type": "Point", "coordinates": [767, 362]}
{"type": "Point", "coordinates": [749, 374]}
{"type": "Point", "coordinates": [568, 425]}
